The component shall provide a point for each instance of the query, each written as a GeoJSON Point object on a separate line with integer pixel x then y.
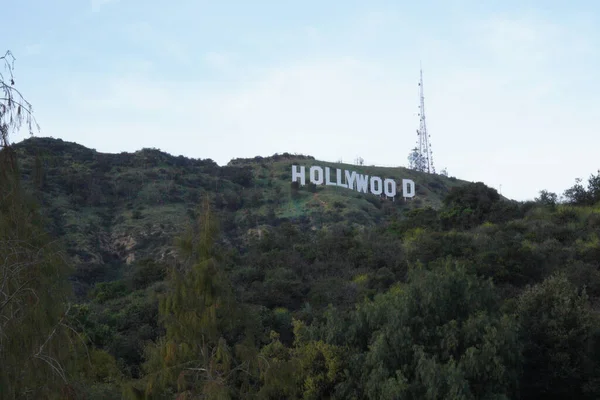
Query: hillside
{"type": "Point", "coordinates": [279, 291]}
{"type": "Point", "coordinates": [114, 209]}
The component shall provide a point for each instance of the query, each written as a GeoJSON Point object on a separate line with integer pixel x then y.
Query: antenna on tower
{"type": "Point", "coordinates": [421, 157]}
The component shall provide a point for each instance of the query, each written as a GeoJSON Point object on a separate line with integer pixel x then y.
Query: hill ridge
{"type": "Point", "coordinates": [114, 209]}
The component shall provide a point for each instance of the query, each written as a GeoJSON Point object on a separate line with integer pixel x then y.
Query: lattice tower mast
{"type": "Point", "coordinates": [425, 152]}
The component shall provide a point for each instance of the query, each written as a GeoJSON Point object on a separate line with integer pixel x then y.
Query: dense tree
{"type": "Point", "coordinates": [559, 332]}
{"type": "Point", "coordinates": [468, 206]}
{"type": "Point", "coordinates": [439, 336]}
{"type": "Point", "coordinates": [34, 293]}
{"type": "Point", "coordinates": [308, 370]}
{"type": "Point", "coordinates": [547, 198]}
{"type": "Point", "coordinates": [578, 194]}
{"type": "Point", "coordinates": [199, 314]}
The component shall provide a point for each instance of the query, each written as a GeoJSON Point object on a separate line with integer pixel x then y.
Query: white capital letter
{"type": "Point", "coordinates": [389, 187]}
{"type": "Point", "coordinates": [379, 188]}
{"type": "Point", "coordinates": [408, 188]}
{"type": "Point", "coordinates": [313, 179]}
{"type": "Point", "coordinates": [350, 178]}
{"type": "Point", "coordinates": [298, 173]}
{"type": "Point", "coordinates": [362, 182]}
{"type": "Point", "coordinates": [328, 177]}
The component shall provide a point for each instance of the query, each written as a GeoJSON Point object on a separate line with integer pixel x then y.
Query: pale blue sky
{"type": "Point", "coordinates": [511, 87]}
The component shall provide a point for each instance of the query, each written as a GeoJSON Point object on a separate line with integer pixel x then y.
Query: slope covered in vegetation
{"type": "Point", "coordinates": [114, 209]}
{"type": "Point", "coordinates": [228, 282]}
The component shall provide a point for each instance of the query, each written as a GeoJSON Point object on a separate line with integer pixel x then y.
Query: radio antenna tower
{"type": "Point", "coordinates": [424, 149]}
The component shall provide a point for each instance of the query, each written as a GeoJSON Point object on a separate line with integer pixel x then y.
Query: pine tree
{"type": "Point", "coordinates": [198, 312]}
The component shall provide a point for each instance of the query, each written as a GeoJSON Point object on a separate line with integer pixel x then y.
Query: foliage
{"type": "Point", "coordinates": [558, 330]}
{"type": "Point", "coordinates": [580, 195]}
{"type": "Point", "coordinates": [441, 335]}
{"type": "Point", "coordinates": [289, 291]}
{"type": "Point", "coordinates": [198, 313]}
{"type": "Point", "coordinates": [547, 198]}
{"type": "Point", "coordinates": [38, 348]}
{"type": "Point", "coordinates": [35, 339]}
{"type": "Point", "coordinates": [468, 206]}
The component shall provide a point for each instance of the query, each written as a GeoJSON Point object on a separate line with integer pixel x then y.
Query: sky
{"type": "Point", "coordinates": [511, 87]}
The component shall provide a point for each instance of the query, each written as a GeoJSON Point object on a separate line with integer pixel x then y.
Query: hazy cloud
{"type": "Point", "coordinates": [218, 60]}
{"type": "Point", "coordinates": [98, 4]}
{"type": "Point", "coordinates": [157, 42]}
{"type": "Point", "coordinates": [32, 49]}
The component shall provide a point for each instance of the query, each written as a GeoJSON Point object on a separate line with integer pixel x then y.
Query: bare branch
{"type": "Point", "coordinates": [14, 108]}
{"type": "Point", "coordinates": [80, 339]}
{"type": "Point", "coordinates": [54, 364]}
{"type": "Point", "coordinates": [54, 330]}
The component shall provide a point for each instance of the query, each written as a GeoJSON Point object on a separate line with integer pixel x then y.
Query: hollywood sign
{"type": "Point", "coordinates": [353, 180]}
